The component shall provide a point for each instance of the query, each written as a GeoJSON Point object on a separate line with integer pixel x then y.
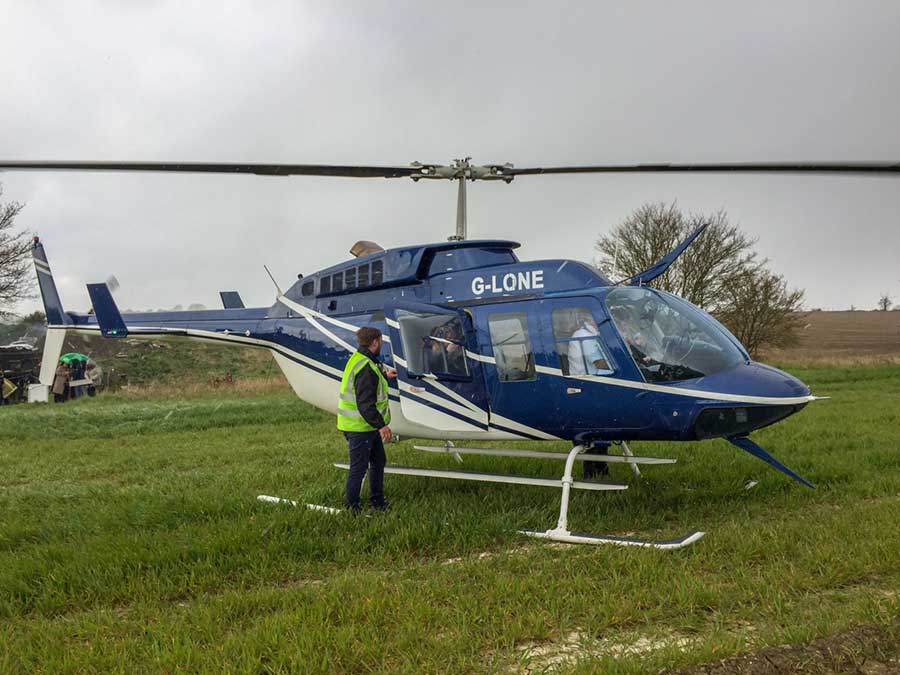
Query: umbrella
{"type": "Point", "coordinates": [73, 356]}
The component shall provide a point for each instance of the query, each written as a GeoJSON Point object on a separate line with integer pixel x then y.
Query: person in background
{"type": "Point", "coordinates": [94, 374]}
{"type": "Point", "coordinates": [61, 383]}
{"type": "Point", "coordinates": [364, 415]}
{"type": "Point", "coordinates": [77, 375]}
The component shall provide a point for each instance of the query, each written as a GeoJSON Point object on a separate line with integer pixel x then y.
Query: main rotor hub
{"type": "Point", "coordinates": [463, 169]}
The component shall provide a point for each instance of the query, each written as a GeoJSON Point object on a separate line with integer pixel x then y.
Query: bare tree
{"type": "Point", "coordinates": [884, 302]}
{"type": "Point", "coordinates": [760, 310]}
{"type": "Point", "coordinates": [700, 274]}
{"type": "Point", "coordinates": [720, 272]}
{"type": "Point", "coordinates": [16, 277]}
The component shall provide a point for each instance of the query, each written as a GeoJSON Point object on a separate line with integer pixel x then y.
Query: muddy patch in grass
{"type": "Point", "coordinates": [867, 650]}
{"type": "Point", "coordinates": [541, 656]}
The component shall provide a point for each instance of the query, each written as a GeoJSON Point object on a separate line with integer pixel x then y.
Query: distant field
{"type": "Point", "coordinates": [844, 337]}
{"type": "Point", "coordinates": [131, 541]}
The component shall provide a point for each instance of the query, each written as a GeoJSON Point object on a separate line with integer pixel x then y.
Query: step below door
{"type": "Point", "coordinates": [440, 377]}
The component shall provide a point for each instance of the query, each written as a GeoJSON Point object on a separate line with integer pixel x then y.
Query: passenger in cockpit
{"type": "Point", "coordinates": [585, 354]}
{"type": "Point", "coordinates": [446, 355]}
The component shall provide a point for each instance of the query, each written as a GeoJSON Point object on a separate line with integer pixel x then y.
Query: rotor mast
{"type": "Point", "coordinates": [460, 211]}
{"type": "Point", "coordinates": [462, 170]}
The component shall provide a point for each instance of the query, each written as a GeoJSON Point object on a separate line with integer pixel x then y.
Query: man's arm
{"type": "Point", "coordinates": [366, 388]}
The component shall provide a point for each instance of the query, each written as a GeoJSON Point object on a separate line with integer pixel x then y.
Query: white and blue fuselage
{"type": "Point", "coordinates": [510, 329]}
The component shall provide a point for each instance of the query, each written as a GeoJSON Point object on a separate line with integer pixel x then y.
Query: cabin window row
{"type": "Point", "coordinates": [578, 346]}
{"type": "Point", "coordinates": [361, 276]}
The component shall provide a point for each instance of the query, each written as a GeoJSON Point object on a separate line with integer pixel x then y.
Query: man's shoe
{"type": "Point", "coordinates": [382, 506]}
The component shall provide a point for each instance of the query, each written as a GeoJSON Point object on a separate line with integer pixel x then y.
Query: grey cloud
{"type": "Point", "coordinates": [389, 82]}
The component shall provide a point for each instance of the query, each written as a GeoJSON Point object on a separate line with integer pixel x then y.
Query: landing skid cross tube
{"type": "Point", "coordinates": [562, 534]}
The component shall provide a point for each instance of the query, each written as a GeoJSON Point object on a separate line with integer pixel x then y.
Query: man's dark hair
{"type": "Point", "coordinates": [366, 335]}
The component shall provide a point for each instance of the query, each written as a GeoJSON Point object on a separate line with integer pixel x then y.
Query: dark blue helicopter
{"type": "Point", "coordinates": [488, 347]}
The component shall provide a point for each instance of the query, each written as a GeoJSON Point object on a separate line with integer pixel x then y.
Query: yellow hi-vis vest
{"type": "Point", "coordinates": [348, 416]}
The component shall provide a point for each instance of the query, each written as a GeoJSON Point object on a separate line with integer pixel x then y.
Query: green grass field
{"type": "Point", "coordinates": [131, 541]}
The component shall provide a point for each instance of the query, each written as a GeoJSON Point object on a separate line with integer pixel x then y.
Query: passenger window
{"type": "Point", "coordinates": [308, 288]}
{"type": "Point", "coordinates": [362, 276]}
{"type": "Point", "coordinates": [377, 272]}
{"type": "Point", "coordinates": [578, 343]}
{"type": "Point", "coordinates": [512, 347]}
{"type": "Point", "coordinates": [337, 282]}
{"type": "Point", "coordinates": [350, 278]}
{"type": "Point", "coordinates": [434, 344]}
{"type": "Point", "coordinates": [325, 285]}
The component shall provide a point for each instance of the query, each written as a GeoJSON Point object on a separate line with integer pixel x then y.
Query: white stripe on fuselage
{"type": "Point", "coordinates": [545, 370]}
{"type": "Point", "coordinates": [312, 314]}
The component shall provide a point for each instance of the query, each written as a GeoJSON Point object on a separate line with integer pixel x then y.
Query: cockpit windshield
{"type": "Point", "coordinates": [670, 339]}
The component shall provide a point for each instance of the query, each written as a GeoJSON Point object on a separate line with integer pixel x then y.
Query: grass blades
{"type": "Point", "coordinates": [131, 541]}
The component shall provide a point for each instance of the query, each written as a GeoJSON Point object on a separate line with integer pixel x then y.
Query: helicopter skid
{"type": "Point", "coordinates": [312, 507]}
{"type": "Point", "coordinates": [567, 537]}
{"type": "Point", "coordinates": [493, 477]}
{"type": "Point", "coordinates": [562, 534]}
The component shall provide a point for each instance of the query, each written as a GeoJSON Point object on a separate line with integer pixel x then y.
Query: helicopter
{"type": "Point", "coordinates": [488, 347]}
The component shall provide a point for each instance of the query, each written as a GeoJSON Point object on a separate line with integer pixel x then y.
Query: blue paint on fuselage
{"type": "Point", "coordinates": [551, 403]}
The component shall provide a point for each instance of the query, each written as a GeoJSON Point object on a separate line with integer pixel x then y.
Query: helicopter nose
{"type": "Point", "coordinates": [771, 395]}
{"type": "Point", "coordinates": [776, 382]}
{"type": "Point", "coordinates": [755, 380]}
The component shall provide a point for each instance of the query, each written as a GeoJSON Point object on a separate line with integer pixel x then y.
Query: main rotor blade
{"type": "Point", "coordinates": [219, 167]}
{"type": "Point", "coordinates": [737, 167]}
{"type": "Point", "coordinates": [416, 171]}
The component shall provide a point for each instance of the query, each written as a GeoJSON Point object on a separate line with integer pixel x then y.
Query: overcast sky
{"type": "Point", "coordinates": [391, 82]}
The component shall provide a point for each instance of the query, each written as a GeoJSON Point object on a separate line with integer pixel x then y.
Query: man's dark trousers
{"type": "Point", "coordinates": [366, 452]}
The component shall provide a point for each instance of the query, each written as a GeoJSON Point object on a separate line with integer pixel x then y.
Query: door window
{"type": "Point", "coordinates": [434, 344]}
{"type": "Point", "coordinates": [578, 343]}
{"type": "Point", "coordinates": [512, 346]}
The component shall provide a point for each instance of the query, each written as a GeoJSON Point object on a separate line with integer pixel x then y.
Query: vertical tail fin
{"type": "Point", "coordinates": [56, 315]}
{"type": "Point", "coordinates": [57, 321]}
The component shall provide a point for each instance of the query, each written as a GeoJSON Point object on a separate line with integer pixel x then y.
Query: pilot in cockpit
{"type": "Point", "coordinates": [636, 339]}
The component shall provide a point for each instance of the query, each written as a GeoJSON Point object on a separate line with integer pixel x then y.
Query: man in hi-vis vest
{"type": "Point", "coordinates": [364, 415]}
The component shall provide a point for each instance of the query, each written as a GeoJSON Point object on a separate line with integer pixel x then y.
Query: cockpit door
{"type": "Point", "coordinates": [441, 380]}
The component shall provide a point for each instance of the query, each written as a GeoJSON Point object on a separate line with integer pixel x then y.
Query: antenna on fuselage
{"type": "Point", "coordinates": [277, 287]}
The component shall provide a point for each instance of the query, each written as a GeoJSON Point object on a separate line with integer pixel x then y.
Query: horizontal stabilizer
{"type": "Point", "coordinates": [660, 266]}
{"type": "Point", "coordinates": [231, 300]}
{"type": "Point", "coordinates": [108, 316]}
{"type": "Point", "coordinates": [746, 444]}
